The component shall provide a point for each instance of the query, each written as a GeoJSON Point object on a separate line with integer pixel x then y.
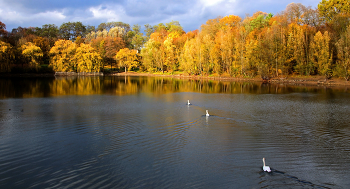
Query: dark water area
{"type": "Point", "coordinates": [138, 132]}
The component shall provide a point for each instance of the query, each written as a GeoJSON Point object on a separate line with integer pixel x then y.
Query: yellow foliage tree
{"type": "Point", "coordinates": [148, 55]}
{"type": "Point", "coordinates": [127, 58]}
{"type": "Point", "coordinates": [321, 54]}
{"type": "Point", "coordinates": [33, 53]}
{"type": "Point", "coordinates": [343, 49]}
{"type": "Point", "coordinates": [189, 59]}
{"type": "Point", "coordinates": [88, 60]}
{"type": "Point", "coordinates": [170, 53]}
{"type": "Point", "coordinates": [229, 21]}
{"type": "Point", "coordinates": [296, 49]}
{"type": "Point", "coordinates": [62, 56]}
{"type": "Point", "coordinates": [5, 56]}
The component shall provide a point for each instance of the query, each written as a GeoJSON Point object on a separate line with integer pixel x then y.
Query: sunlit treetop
{"type": "Point", "coordinates": [330, 8]}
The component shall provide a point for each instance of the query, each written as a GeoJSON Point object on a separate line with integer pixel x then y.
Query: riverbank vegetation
{"type": "Point", "coordinates": [297, 41]}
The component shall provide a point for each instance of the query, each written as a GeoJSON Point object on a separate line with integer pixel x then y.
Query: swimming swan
{"type": "Point", "coordinates": [207, 114]}
{"type": "Point", "coordinates": [188, 102]}
{"type": "Point", "coordinates": [266, 168]}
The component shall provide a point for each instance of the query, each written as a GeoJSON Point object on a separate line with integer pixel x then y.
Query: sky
{"type": "Point", "coordinates": [190, 13]}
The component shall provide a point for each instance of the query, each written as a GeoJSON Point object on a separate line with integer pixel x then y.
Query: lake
{"type": "Point", "coordinates": [138, 132]}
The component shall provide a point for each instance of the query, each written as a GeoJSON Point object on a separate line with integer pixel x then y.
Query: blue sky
{"type": "Point", "coordinates": [190, 13]}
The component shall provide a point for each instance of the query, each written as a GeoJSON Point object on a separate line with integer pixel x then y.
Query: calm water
{"type": "Point", "coordinates": [138, 132]}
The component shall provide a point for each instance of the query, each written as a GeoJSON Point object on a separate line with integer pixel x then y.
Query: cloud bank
{"type": "Point", "coordinates": [190, 14]}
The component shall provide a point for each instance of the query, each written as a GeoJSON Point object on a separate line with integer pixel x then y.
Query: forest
{"type": "Point", "coordinates": [299, 40]}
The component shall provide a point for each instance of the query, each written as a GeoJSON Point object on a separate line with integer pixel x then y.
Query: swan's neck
{"type": "Point", "coordinates": [264, 161]}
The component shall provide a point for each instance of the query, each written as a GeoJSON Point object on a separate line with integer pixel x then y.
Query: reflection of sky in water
{"type": "Point", "coordinates": [151, 138]}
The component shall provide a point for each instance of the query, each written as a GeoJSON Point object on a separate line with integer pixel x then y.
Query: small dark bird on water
{"type": "Point", "coordinates": [9, 109]}
{"type": "Point", "coordinates": [22, 110]}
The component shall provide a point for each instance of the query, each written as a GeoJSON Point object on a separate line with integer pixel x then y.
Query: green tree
{"type": "Point", "coordinates": [261, 21]}
{"type": "Point", "coordinates": [148, 31]}
{"type": "Point", "coordinates": [71, 30]}
{"type": "Point", "coordinates": [49, 31]}
{"type": "Point", "coordinates": [137, 39]}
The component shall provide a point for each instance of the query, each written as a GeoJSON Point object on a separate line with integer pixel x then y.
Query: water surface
{"type": "Point", "coordinates": [138, 132]}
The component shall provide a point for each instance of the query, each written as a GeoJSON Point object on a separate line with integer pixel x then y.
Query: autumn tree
{"type": "Point", "coordinates": [170, 53]}
{"type": "Point", "coordinates": [296, 54]}
{"type": "Point", "coordinates": [294, 13]}
{"type": "Point", "coordinates": [127, 58]}
{"type": "Point", "coordinates": [107, 47]}
{"type": "Point", "coordinates": [33, 53]}
{"type": "Point", "coordinates": [87, 58]}
{"type": "Point", "coordinates": [107, 43]}
{"type": "Point", "coordinates": [241, 37]}
{"type": "Point", "coordinates": [211, 27]}
{"type": "Point", "coordinates": [6, 54]}
{"type": "Point", "coordinates": [206, 49]}
{"type": "Point", "coordinates": [343, 52]}
{"type": "Point", "coordinates": [280, 49]}
{"type": "Point", "coordinates": [2, 29]}
{"type": "Point", "coordinates": [330, 8]}
{"type": "Point", "coordinates": [62, 56]}
{"type": "Point", "coordinates": [44, 44]}
{"type": "Point", "coordinates": [149, 53]}
{"type": "Point", "coordinates": [321, 53]}
{"type": "Point", "coordinates": [190, 58]}
{"type": "Point", "coordinates": [252, 55]}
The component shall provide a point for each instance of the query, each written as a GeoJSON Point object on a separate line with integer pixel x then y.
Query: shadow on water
{"type": "Point", "coordinates": [276, 177]}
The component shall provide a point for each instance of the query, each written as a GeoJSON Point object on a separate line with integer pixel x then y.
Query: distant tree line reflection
{"type": "Point", "coordinates": [46, 87]}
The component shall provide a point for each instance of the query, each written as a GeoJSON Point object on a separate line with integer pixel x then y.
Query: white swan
{"type": "Point", "coordinates": [207, 114]}
{"type": "Point", "coordinates": [188, 102]}
{"type": "Point", "coordinates": [266, 168]}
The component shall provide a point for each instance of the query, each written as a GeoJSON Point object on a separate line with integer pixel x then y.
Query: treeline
{"type": "Point", "coordinates": [70, 47]}
{"type": "Point", "coordinates": [299, 40]}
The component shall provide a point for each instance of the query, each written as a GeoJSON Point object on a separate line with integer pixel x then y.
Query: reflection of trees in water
{"type": "Point", "coordinates": [24, 87]}
{"type": "Point", "coordinates": [115, 85]}
{"type": "Point", "coordinates": [76, 86]}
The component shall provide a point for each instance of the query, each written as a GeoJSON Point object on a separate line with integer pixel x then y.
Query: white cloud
{"type": "Point", "coordinates": [208, 3]}
{"type": "Point", "coordinates": [13, 16]}
{"type": "Point", "coordinates": [108, 14]}
{"type": "Point", "coordinates": [190, 14]}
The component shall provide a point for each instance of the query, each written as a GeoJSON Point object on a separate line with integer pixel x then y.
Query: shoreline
{"type": "Point", "coordinates": [291, 80]}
